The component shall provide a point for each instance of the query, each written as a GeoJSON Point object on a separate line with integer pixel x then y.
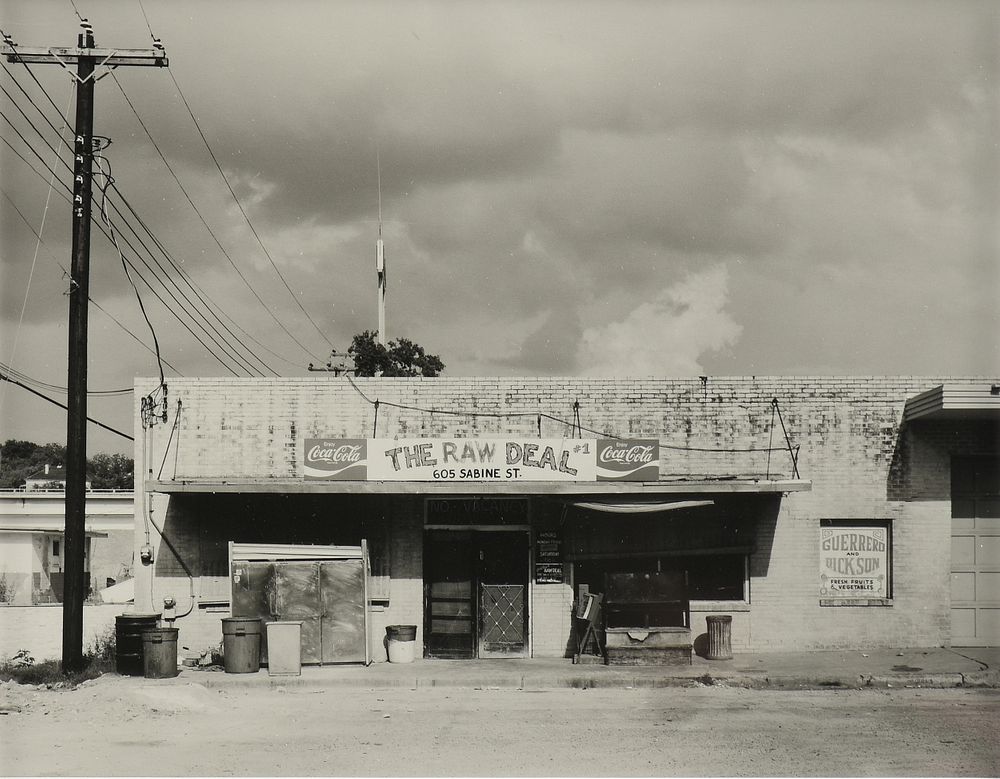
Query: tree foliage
{"type": "Point", "coordinates": [110, 471]}
{"type": "Point", "coordinates": [401, 357]}
{"type": "Point", "coordinates": [21, 459]}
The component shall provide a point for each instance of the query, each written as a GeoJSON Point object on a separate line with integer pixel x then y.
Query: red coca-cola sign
{"type": "Point", "coordinates": [628, 459]}
{"type": "Point", "coordinates": [340, 458]}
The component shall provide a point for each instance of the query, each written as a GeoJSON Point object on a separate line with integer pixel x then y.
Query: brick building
{"type": "Point", "coordinates": [817, 512]}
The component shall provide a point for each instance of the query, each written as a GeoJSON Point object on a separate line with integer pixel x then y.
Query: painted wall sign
{"type": "Point", "coordinates": [481, 459]}
{"type": "Point", "coordinates": [854, 562]}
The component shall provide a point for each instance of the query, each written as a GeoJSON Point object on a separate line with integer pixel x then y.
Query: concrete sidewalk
{"type": "Point", "coordinates": [884, 668]}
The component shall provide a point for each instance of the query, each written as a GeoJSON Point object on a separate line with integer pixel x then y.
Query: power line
{"type": "Point", "coordinates": [107, 220]}
{"type": "Point", "coordinates": [544, 415]}
{"type": "Point", "coordinates": [215, 336]}
{"type": "Point", "coordinates": [5, 377]}
{"type": "Point", "coordinates": [230, 353]}
{"type": "Point", "coordinates": [62, 267]}
{"type": "Point", "coordinates": [33, 103]}
{"type": "Point", "coordinates": [87, 58]}
{"type": "Point", "coordinates": [245, 216]}
{"type": "Point", "coordinates": [214, 237]}
{"type": "Point", "coordinates": [34, 258]}
{"type": "Point", "coordinates": [26, 143]}
{"type": "Point", "coordinates": [34, 78]}
{"type": "Point", "coordinates": [166, 289]}
{"type": "Point", "coordinates": [43, 385]}
{"type": "Point", "coordinates": [195, 288]}
{"type": "Point", "coordinates": [229, 258]}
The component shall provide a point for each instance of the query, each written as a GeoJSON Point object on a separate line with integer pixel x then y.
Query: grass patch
{"type": "Point", "coordinates": [98, 659]}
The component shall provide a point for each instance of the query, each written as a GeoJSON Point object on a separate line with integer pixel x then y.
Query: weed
{"type": "Point", "coordinates": [101, 652]}
{"type": "Point", "coordinates": [98, 659]}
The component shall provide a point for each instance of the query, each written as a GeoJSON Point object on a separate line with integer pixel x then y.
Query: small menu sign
{"type": "Point", "coordinates": [548, 557]}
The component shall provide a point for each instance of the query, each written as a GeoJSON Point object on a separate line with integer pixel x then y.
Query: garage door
{"type": "Point", "coordinates": [975, 551]}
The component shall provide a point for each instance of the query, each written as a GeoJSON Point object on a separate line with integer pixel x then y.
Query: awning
{"type": "Point", "coordinates": [640, 507]}
{"type": "Point", "coordinates": [249, 552]}
{"type": "Point", "coordinates": [955, 401]}
{"type": "Point", "coordinates": [679, 486]}
{"type": "Point", "coordinates": [52, 531]}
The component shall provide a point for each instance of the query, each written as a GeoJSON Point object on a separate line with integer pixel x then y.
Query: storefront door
{"type": "Point", "coordinates": [476, 593]}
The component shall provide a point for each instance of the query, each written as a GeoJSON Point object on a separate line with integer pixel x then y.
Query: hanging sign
{"type": "Point", "coordinates": [853, 562]}
{"type": "Point", "coordinates": [481, 459]}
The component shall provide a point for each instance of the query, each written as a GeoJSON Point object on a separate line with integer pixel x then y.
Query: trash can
{"type": "Point", "coordinates": [159, 653]}
{"type": "Point", "coordinates": [128, 641]}
{"type": "Point", "coordinates": [284, 648]}
{"type": "Point", "coordinates": [241, 645]}
{"type": "Point", "coordinates": [720, 628]}
{"type": "Point", "coordinates": [401, 640]}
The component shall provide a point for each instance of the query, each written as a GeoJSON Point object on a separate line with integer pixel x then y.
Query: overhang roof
{"type": "Point", "coordinates": [955, 401]}
{"type": "Point", "coordinates": [680, 486]}
{"type": "Point", "coordinates": [50, 531]}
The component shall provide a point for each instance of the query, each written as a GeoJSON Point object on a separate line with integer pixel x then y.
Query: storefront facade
{"type": "Point", "coordinates": [813, 511]}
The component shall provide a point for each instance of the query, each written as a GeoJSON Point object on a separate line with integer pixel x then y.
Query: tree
{"type": "Point", "coordinates": [401, 357]}
{"type": "Point", "coordinates": [21, 459]}
{"type": "Point", "coordinates": [110, 472]}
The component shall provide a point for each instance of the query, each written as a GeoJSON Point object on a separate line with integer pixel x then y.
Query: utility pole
{"type": "Point", "coordinates": [87, 58]}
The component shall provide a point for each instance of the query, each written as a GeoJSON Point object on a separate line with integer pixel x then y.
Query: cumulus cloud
{"type": "Point", "coordinates": [548, 172]}
{"type": "Point", "coordinates": [666, 336]}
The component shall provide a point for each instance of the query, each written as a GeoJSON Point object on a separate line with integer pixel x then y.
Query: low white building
{"type": "Point", "coordinates": [32, 551]}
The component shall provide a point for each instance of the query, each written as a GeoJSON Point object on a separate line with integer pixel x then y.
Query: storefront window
{"type": "Point", "coordinates": [709, 576]}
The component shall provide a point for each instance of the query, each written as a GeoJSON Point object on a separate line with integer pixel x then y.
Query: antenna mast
{"type": "Point", "coordinates": [380, 257]}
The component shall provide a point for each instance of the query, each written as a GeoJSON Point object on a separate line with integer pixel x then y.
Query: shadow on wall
{"type": "Point", "coordinates": [920, 468]}
{"type": "Point", "coordinates": [766, 523]}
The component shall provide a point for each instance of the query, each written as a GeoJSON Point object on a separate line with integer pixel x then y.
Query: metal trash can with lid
{"type": "Point", "coordinates": [159, 653]}
{"type": "Point", "coordinates": [719, 636]}
{"type": "Point", "coordinates": [241, 645]}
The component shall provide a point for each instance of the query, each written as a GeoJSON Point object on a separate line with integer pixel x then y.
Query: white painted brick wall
{"type": "Point", "coordinates": [862, 464]}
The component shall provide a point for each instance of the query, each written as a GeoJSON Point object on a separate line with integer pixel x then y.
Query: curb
{"type": "Point", "coordinates": [981, 679]}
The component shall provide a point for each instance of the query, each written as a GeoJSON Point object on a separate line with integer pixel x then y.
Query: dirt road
{"type": "Point", "coordinates": [121, 726]}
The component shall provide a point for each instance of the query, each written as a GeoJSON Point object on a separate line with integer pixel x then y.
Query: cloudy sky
{"type": "Point", "coordinates": [567, 188]}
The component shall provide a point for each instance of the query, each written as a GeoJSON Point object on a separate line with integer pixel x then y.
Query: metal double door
{"type": "Point", "coordinates": [327, 597]}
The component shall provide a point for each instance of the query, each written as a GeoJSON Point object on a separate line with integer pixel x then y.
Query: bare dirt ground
{"type": "Point", "coordinates": [117, 726]}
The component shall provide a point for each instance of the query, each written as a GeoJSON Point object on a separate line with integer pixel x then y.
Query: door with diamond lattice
{"type": "Point", "coordinates": [503, 594]}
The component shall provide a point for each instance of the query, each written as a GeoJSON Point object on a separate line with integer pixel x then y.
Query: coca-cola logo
{"type": "Point", "coordinates": [339, 453]}
{"type": "Point", "coordinates": [635, 459]}
{"type": "Point", "coordinates": [335, 458]}
{"type": "Point", "coordinates": [637, 454]}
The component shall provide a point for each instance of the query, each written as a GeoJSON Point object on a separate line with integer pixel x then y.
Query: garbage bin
{"type": "Point", "coordinates": [401, 640]}
{"type": "Point", "coordinates": [719, 637]}
{"type": "Point", "coordinates": [128, 641]}
{"type": "Point", "coordinates": [159, 653]}
{"type": "Point", "coordinates": [284, 648]}
{"type": "Point", "coordinates": [241, 645]}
